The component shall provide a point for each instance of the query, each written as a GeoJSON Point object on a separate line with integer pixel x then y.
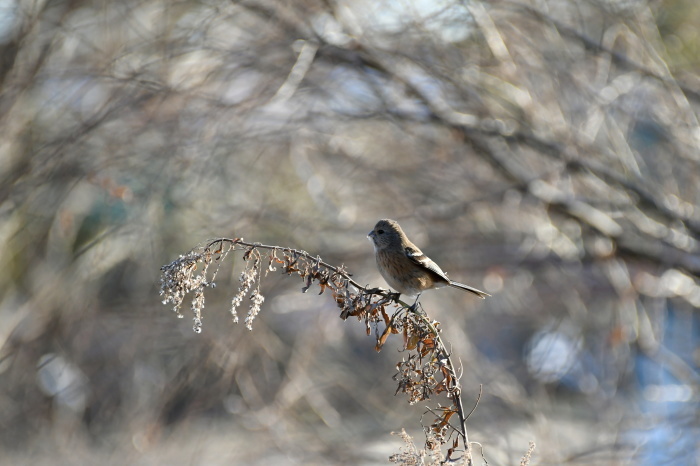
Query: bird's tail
{"type": "Point", "coordinates": [462, 286]}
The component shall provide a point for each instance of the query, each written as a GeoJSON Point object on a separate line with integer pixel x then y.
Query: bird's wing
{"type": "Point", "coordinates": [417, 256]}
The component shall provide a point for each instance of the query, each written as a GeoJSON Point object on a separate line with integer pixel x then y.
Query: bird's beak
{"type": "Point", "coordinates": [371, 234]}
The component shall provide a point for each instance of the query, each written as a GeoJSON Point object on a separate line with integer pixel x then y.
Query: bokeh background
{"type": "Point", "coordinates": [545, 151]}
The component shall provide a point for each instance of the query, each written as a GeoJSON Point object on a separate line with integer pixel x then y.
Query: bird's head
{"type": "Point", "coordinates": [386, 234]}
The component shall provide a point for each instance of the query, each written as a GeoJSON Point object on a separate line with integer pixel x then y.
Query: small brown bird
{"type": "Point", "coordinates": [404, 267]}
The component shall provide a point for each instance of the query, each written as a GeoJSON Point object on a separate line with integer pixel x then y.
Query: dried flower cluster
{"type": "Point", "coordinates": [180, 278]}
{"type": "Point", "coordinates": [426, 368]}
{"type": "Point", "coordinates": [410, 454]}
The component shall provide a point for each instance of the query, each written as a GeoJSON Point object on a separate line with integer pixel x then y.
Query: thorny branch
{"type": "Point", "coordinates": [426, 368]}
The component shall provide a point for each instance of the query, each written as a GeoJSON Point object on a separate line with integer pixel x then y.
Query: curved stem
{"type": "Point", "coordinates": [457, 390]}
{"type": "Point", "coordinates": [298, 252]}
{"type": "Point", "coordinates": [454, 389]}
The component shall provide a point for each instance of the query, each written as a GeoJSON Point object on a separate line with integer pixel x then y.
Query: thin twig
{"type": "Point", "coordinates": [306, 255]}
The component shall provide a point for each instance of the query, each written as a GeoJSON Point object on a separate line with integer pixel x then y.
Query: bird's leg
{"type": "Point", "coordinates": [414, 307]}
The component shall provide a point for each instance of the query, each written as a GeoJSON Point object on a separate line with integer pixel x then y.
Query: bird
{"type": "Point", "coordinates": [404, 266]}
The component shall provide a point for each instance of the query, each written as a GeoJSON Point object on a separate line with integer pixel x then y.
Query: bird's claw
{"type": "Point", "coordinates": [394, 296]}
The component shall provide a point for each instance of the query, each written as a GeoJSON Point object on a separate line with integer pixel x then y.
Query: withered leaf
{"type": "Point", "coordinates": [412, 341]}
{"type": "Point", "coordinates": [309, 279]}
{"type": "Point", "coordinates": [384, 315]}
{"type": "Point", "coordinates": [431, 444]}
{"type": "Point", "coordinates": [381, 340]}
{"type": "Point", "coordinates": [437, 427]}
{"type": "Point", "coordinates": [446, 374]}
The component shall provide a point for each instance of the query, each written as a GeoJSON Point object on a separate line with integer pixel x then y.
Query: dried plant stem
{"type": "Point", "coordinates": [427, 368]}
{"type": "Point", "coordinates": [456, 390]}
{"type": "Point", "coordinates": [296, 252]}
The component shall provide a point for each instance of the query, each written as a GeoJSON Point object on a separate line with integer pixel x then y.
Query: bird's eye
{"type": "Point", "coordinates": [380, 232]}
